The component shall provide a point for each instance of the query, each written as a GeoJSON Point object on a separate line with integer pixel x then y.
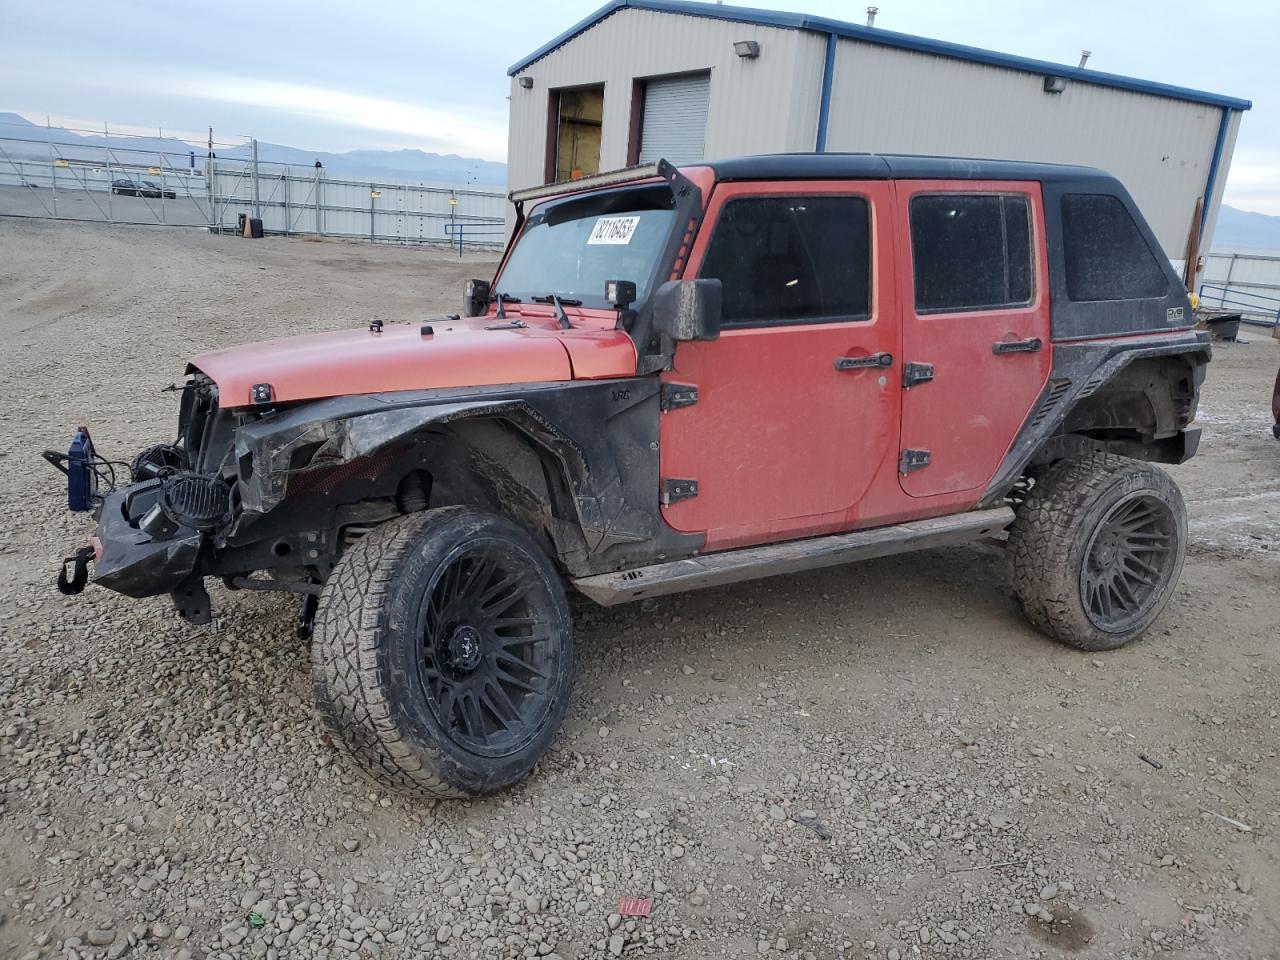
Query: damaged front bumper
{"type": "Point", "coordinates": [127, 559]}
{"type": "Point", "coordinates": [130, 561]}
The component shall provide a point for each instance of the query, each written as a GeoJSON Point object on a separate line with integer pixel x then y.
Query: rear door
{"type": "Point", "coordinates": [975, 329]}
{"type": "Point", "coordinates": [796, 408]}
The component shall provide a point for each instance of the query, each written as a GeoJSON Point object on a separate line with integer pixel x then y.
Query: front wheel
{"type": "Point", "coordinates": [1096, 550]}
{"type": "Point", "coordinates": [443, 654]}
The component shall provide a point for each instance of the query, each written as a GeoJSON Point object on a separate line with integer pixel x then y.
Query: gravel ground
{"type": "Point", "coordinates": [879, 761]}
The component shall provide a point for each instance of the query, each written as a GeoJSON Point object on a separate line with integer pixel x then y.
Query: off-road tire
{"type": "Point", "coordinates": [1057, 546]}
{"type": "Point", "coordinates": [367, 654]}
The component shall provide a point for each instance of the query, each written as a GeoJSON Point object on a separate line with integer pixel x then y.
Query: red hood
{"type": "Point", "coordinates": [458, 353]}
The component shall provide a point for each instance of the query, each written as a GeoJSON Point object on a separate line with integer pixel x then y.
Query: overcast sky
{"type": "Point", "coordinates": [331, 75]}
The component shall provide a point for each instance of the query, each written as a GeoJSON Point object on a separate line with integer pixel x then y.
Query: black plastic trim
{"type": "Point", "coordinates": [1079, 370]}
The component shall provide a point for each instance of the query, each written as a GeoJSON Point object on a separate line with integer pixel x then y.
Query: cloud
{"type": "Point", "coordinates": [442, 130]}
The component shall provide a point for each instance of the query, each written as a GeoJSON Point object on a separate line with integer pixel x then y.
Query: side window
{"type": "Point", "coordinates": [792, 259]}
{"type": "Point", "coordinates": [970, 251]}
{"type": "Point", "coordinates": [1106, 255]}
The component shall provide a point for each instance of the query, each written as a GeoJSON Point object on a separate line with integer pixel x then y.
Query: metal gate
{"type": "Point", "coordinates": [293, 200]}
{"type": "Point", "coordinates": [1244, 283]}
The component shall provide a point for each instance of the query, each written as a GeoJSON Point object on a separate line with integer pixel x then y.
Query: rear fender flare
{"type": "Point", "coordinates": [1080, 369]}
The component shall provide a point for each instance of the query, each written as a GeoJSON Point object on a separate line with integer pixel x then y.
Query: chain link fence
{"type": "Point", "coordinates": [79, 173]}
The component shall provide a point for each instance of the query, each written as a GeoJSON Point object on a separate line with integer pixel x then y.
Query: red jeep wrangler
{"type": "Point", "coordinates": [682, 378]}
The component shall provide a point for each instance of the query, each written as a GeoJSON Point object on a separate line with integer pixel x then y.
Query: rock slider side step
{"type": "Point", "coordinates": [749, 563]}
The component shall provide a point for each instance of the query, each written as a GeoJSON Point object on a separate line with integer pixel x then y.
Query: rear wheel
{"type": "Point", "coordinates": [443, 655]}
{"type": "Point", "coordinates": [1096, 550]}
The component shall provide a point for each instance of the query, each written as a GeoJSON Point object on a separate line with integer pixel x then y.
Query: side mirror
{"type": "Point", "coordinates": [688, 310]}
{"type": "Point", "coordinates": [475, 298]}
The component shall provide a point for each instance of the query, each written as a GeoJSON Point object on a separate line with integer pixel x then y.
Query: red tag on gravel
{"type": "Point", "coordinates": [635, 906]}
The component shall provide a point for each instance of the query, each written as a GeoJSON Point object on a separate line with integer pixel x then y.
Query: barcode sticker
{"type": "Point", "coordinates": [617, 230]}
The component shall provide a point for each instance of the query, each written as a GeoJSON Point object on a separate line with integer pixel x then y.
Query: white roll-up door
{"type": "Point", "coordinates": [675, 118]}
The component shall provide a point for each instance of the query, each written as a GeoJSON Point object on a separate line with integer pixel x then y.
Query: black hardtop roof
{"type": "Point", "coordinates": [883, 166]}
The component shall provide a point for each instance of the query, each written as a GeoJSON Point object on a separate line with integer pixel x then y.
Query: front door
{"type": "Point", "coordinates": [798, 402]}
{"type": "Point", "coordinates": [975, 329]}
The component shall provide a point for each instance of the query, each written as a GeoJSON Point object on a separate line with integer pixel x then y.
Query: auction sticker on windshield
{"type": "Point", "coordinates": [613, 230]}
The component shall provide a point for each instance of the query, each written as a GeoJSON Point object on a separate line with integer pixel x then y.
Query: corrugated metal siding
{"type": "Point", "coordinates": [755, 106]}
{"type": "Point", "coordinates": [883, 99]}
{"type": "Point", "coordinates": [675, 119]}
{"type": "Point", "coordinates": [897, 101]}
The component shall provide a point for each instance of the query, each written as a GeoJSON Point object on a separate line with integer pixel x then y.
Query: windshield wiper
{"type": "Point", "coordinates": [561, 316]}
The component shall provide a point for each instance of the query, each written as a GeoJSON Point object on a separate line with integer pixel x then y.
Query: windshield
{"type": "Point", "coordinates": [572, 247]}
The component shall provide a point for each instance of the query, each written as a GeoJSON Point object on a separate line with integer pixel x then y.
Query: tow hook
{"type": "Point", "coordinates": [70, 586]}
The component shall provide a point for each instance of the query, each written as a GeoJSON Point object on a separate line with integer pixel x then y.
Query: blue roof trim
{"type": "Point", "coordinates": [887, 38]}
{"type": "Point", "coordinates": [824, 100]}
{"type": "Point", "coordinates": [1210, 183]}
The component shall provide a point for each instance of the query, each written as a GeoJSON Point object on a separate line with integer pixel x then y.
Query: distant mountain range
{"type": "Point", "coordinates": [1236, 229]}
{"type": "Point", "coordinates": [389, 164]}
{"type": "Point", "coordinates": [1241, 230]}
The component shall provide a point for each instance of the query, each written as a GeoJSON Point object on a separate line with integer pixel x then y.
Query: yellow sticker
{"type": "Point", "coordinates": [376, 194]}
{"type": "Point", "coordinates": [61, 163]}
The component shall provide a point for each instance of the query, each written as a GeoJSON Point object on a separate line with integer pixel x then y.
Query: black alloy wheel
{"type": "Point", "coordinates": [1129, 560]}
{"type": "Point", "coordinates": [488, 657]}
{"type": "Point", "coordinates": [1096, 548]}
{"type": "Point", "coordinates": [442, 654]}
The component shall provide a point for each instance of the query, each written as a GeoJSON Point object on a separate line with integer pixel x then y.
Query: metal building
{"type": "Point", "coordinates": [639, 79]}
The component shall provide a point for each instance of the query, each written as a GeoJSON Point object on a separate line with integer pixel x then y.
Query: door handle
{"type": "Point", "coordinates": [876, 361]}
{"type": "Point", "coordinates": [1031, 345]}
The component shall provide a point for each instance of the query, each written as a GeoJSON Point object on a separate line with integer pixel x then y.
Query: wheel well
{"type": "Point", "coordinates": [492, 464]}
{"type": "Point", "coordinates": [1150, 399]}
{"type": "Point", "coordinates": [1142, 412]}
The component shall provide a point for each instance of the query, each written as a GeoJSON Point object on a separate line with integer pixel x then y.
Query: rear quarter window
{"type": "Point", "coordinates": [1106, 255]}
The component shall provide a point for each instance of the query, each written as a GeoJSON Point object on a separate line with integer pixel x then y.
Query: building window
{"type": "Point", "coordinates": [1106, 255]}
{"type": "Point", "coordinates": [792, 259]}
{"type": "Point", "coordinates": [573, 144]}
{"type": "Point", "coordinates": [970, 251]}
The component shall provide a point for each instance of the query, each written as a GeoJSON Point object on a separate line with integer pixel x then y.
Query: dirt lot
{"type": "Point", "coordinates": [878, 761]}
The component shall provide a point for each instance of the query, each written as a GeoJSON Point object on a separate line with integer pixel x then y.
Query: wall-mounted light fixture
{"type": "Point", "coordinates": [1054, 84]}
{"type": "Point", "coordinates": [526, 82]}
{"type": "Point", "coordinates": [747, 49]}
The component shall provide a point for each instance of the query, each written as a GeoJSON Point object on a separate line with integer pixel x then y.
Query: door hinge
{"type": "Point", "coordinates": [913, 460]}
{"type": "Point", "coordinates": [676, 395]}
{"type": "Point", "coordinates": [914, 374]}
{"type": "Point", "coordinates": [674, 490]}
